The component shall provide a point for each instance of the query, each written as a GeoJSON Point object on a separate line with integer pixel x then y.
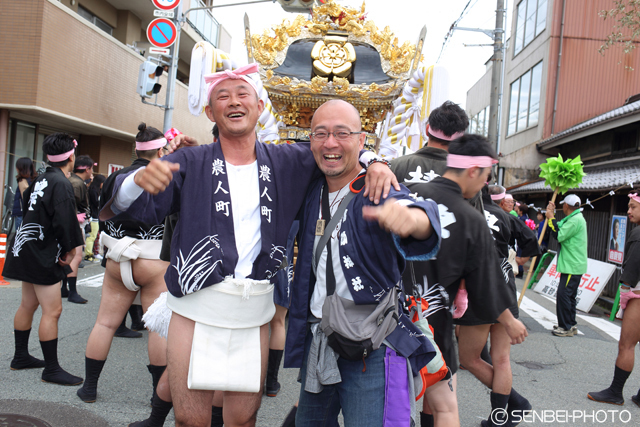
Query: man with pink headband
{"type": "Point", "coordinates": [237, 200]}
{"type": "Point", "coordinates": [506, 231]}
{"type": "Point", "coordinates": [40, 254]}
{"type": "Point", "coordinates": [445, 124]}
{"type": "Point", "coordinates": [82, 172]}
{"type": "Point", "coordinates": [468, 255]}
{"type": "Point", "coordinates": [629, 312]}
{"type": "Point", "coordinates": [132, 268]}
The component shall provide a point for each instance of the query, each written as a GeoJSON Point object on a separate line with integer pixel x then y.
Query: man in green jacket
{"type": "Point", "coordinates": [571, 233]}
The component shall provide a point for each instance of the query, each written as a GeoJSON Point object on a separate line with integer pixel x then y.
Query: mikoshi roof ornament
{"type": "Point", "coordinates": [336, 54]}
{"type": "Point", "coordinates": [561, 175]}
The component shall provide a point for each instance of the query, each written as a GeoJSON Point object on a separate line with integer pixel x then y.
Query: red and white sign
{"type": "Point", "coordinates": [114, 168]}
{"type": "Point", "coordinates": [591, 286]}
{"type": "Point", "coordinates": [162, 32]}
{"type": "Point", "coordinates": [166, 4]}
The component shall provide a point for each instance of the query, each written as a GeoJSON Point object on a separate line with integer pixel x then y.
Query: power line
{"type": "Point", "coordinates": [455, 23]}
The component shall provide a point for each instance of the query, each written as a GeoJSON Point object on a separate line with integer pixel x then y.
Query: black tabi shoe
{"type": "Point", "coordinates": [606, 396]}
{"type": "Point", "coordinates": [135, 311]}
{"type": "Point", "coordinates": [53, 373]}
{"type": "Point", "coordinates": [124, 332]}
{"type": "Point", "coordinates": [89, 390]}
{"type": "Point", "coordinates": [273, 386]}
{"type": "Point", "coordinates": [159, 412]}
{"type": "Point", "coordinates": [21, 358]}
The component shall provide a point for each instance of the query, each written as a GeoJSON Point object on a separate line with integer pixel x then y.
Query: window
{"type": "Point", "coordinates": [625, 141]}
{"type": "Point", "coordinates": [203, 22]}
{"type": "Point", "coordinates": [479, 123]}
{"type": "Point", "coordinates": [530, 21]}
{"type": "Point", "coordinates": [95, 20]}
{"type": "Point", "coordinates": [524, 102]}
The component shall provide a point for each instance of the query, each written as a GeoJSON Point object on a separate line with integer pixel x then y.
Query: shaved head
{"type": "Point", "coordinates": [352, 117]}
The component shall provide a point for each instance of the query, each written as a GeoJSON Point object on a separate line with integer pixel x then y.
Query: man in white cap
{"type": "Point", "coordinates": [571, 233]}
{"type": "Point", "coordinates": [237, 200]}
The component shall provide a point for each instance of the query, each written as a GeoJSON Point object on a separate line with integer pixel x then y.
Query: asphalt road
{"type": "Point", "coordinates": [554, 373]}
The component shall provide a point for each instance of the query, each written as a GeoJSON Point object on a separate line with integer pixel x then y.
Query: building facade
{"type": "Point", "coordinates": [554, 78]}
{"type": "Point", "coordinates": [72, 66]}
{"type": "Point", "coordinates": [561, 96]}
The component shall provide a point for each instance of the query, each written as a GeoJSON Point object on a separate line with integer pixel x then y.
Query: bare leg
{"type": "Point", "coordinates": [51, 303]}
{"type": "Point", "coordinates": [75, 262]}
{"type": "Point", "coordinates": [629, 335]}
{"type": "Point", "coordinates": [191, 407]}
{"type": "Point", "coordinates": [149, 274]}
{"type": "Point", "coordinates": [501, 357]}
{"type": "Point", "coordinates": [472, 340]}
{"type": "Point", "coordinates": [276, 341]}
{"type": "Point", "coordinates": [23, 319]}
{"type": "Point", "coordinates": [443, 403]}
{"type": "Point", "coordinates": [114, 304]}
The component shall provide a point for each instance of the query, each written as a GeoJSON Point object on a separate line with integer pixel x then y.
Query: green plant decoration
{"type": "Point", "coordinates": [562, 175]}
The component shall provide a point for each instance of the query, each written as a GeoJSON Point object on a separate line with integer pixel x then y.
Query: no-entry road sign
{"type": "Point", "coordinates": [162, 32]}
{"type": "Point", "coordinates": [166, 4]}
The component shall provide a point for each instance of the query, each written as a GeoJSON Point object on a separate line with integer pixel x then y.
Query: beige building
{"type": "Point", "coordinates": [72, 66]}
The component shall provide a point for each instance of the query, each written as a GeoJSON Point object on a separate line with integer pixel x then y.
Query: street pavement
{"type": "Point", "coordinates": [554, 373]}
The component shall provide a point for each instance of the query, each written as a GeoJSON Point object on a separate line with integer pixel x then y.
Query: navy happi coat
{"type": "Point", "coordinates": [373, 261]}
{"type": "Point", "coordinates": [203, 249]}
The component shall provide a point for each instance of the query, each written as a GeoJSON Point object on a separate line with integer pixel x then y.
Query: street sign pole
{"type": "Point", "coordinates": [173, 72]}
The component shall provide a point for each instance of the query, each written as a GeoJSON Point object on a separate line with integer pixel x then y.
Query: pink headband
{"type": "Point", "coordinates": [499, 196]}
{"type": "Point", "coordinates": [508, 197]}
{"type": "Point", "coordinates": [172, 133]}
{"type": "Point", "coordinates": [151, 145]}
{"type": "Point", "coordinates": [465, 162]}
{"type": "Point", "coordinates": [64, 156]}
{"type": "Point", "coordinates": [436, 133]}
{"type": "Point", "coordinates": [635, 197]}
{"type": "Point", "coordinates": [239, 73]}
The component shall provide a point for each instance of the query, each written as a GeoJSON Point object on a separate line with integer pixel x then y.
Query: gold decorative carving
{"type": "Point", "coordinates": [333, 56]}
{"type": "Point", "coordinates": [329, 17]}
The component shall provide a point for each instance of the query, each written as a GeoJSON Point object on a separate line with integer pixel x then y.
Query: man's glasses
{"type": "Point", "coordinates": [340, 135]}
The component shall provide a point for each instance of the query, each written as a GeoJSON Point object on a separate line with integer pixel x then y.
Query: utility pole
{"type": "Point", "coordinates": [173, 72]}
{"type": "Point", "coordinates": [496, 73]}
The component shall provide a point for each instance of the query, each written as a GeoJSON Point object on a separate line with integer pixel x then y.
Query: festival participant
{"type": "Point", "coordinates": [506, 231]}
{"type": "Point", "coordinates": [630, 313]}
{"type": "Point", "coordinates": [571, 233]}
{"type": "Point", "coordinates": [361, 261]}
{"type": "Point", "coordinates": [40, 253]}
{"type": "Point", "coordinates": [26, 175]}
{"type": "Point", "coordinates": [237, 199]}
{"type": "Point", "coordinates": [133, 264]}
{"type": "Point", "coordinates": [445, 124]}
{"type": "Point", "coordinates": [467, 253]}
{"type": "Point", "coordinates": [82, 171]}
{"type": "Point", "coordinates": [94, 206]}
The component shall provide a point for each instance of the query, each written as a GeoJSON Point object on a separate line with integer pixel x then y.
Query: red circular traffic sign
{"type": "Point", "coordinates": [162, 32]}
{"type": "Point", "coordinates": [166, 4]}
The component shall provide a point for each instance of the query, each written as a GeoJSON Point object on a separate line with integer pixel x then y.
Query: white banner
{"type": "Point", "coordinates": [591, 285]}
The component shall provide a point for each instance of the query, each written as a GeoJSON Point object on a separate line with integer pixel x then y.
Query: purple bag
{"type": "Point", "coordinates": [397, 407]}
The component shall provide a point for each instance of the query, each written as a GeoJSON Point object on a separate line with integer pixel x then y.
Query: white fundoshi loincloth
{"type": "Point", "coordinates": [225, 353]}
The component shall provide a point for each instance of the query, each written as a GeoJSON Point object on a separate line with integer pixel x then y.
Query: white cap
{"type": "Point", "coordinates": [572, 200]}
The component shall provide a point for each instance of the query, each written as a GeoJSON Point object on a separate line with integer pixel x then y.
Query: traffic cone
{"type": "Point", "coordinates": [3, 253]}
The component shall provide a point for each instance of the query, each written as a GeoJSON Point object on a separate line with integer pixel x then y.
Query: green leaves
{"type": "Point", "coordinates": [562, 175]}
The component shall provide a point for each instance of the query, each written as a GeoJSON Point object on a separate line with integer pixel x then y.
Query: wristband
{"type": "Point", "coordinates": [378, 160]}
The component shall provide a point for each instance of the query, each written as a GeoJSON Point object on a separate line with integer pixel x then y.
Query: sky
{"type": "Point", "coordinates": [406, 18]}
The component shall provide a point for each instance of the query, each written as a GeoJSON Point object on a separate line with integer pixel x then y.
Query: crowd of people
{"type": "Point", "coordinates": [200, 238]}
